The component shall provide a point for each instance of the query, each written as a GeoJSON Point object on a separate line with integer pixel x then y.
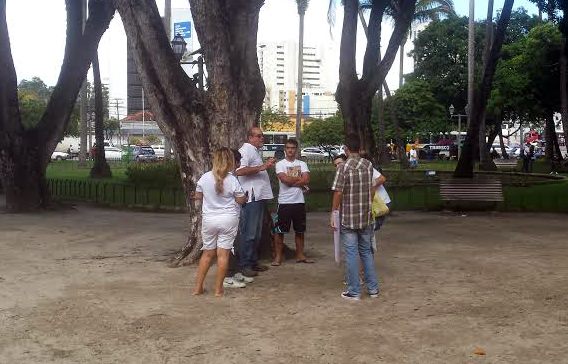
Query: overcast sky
{"type": "Point", "coordinates": [37, 34]}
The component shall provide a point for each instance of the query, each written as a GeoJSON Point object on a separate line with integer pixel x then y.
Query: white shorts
{"type": "Point", "coordinates": [219, 231]}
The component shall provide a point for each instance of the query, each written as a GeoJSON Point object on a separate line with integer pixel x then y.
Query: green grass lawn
{"type": "Point", "coordinates": [409, 189]}
{"type": "Point", "coordinates": [72, 170]}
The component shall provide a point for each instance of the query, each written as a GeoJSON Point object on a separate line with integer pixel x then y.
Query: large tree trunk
{"type": "Point", "coordinates": [101, 168]}
{"type": "Point", "coordinates": [477, 110]}
{"type": "Point", "coordinates": [355, 95]}
{"type": "Point", "coordinates": [563, 87]}
{"type": "Point", "coordinates": [23, 164]}
{"type": "Point", "coordinates": [400, 144]}
{"type": "Point", "coordinates": [197, 121]}
{"type": "Point", "coordinates": [485, 161]}
{"type": "Point", "coordinates": [552, 147]}
{"type": "Point", "coordinates": [504, 153]}
{"type": "Point", "coordinates": [383, 157]}
{"type": "Point", "coordinates": [25, 153]}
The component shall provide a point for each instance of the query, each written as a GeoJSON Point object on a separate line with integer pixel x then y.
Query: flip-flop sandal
{"type": "Point", "coordinates": [275, 264]}
{"type": "Point", "coordinates": [307, 261]}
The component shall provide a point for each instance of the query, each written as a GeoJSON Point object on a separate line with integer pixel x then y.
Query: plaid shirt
{"type": "Point", "coordinates": [355, 181]}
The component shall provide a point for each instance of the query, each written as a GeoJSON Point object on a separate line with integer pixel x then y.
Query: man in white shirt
{"type": "Point", "coordinates": [294, 177]}
{"type": "Point", "coordinates": [413, 157]}
{"type": "Point", "coordinates": [255, 181]}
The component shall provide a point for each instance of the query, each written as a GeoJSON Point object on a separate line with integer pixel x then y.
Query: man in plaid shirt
{"type": "Point", "coordinates": [352, 195]}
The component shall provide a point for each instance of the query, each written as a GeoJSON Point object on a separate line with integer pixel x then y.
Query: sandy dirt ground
{"type": "Point", "coordinates": [90, 285]}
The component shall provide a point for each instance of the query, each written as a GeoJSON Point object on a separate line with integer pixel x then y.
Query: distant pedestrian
{"type": "Point", "coordinates": [526, 157]}
{"type": "Point", "coordinates": [532, 158]}
{"type": "Point", "coordinates": [413, 157]}
{"type": "Point", "coordinates": [220, 194]}
{"type": "Point", "coordinates": [352, 196]}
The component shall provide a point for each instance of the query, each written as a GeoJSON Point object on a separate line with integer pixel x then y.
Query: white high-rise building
{"type": "Point", "coordinates": [278, 63]}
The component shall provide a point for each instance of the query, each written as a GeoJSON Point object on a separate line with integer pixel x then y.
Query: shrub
{"type": "Point", "coordinates": [159, 174]}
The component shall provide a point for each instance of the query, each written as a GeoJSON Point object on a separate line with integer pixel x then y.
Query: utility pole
{"type": "Point", "coordinates": [116, 104]}
{"type": "Point", "coordinates": [83, 106]}
{"type": "Point", "coordinates": [301, 12]}
{"type": "Point", "coordinates": [167, 24]}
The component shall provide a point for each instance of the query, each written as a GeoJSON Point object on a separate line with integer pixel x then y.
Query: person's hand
{"type": "Point", "coordinates": [269, 163]}
{"type": "Point", "coordinates": [332, 221]}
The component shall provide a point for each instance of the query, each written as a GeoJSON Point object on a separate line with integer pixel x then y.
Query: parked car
{"type": "Point", "coordinates": [508, 150]}
{"type": "Point", "coordinates": [59, 156]}
{"type": "Point", "coordinates": [113, 153]}
{"type": "Point", "coordinates": [338, 149]}
{"type": "Point", "coordinates": [436, 151]}
{"type": "Point", "coordinates": [314, 153]}
{"type": "Point", "coordinates": [106, 144]}
{"type": "Point", "coordinates": [159, 151]}
{"type": "Point", "coordinates": [273, 151]}
{"type": "Point", "coordinates": [143, 153]}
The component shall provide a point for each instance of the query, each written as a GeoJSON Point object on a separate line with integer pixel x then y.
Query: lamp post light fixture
{"type": "Point", "coordinates": [179, 46]}
{"type": "Point", "coordinates": [451, 109]}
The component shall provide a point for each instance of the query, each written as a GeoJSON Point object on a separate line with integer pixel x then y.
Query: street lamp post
{"type": "Point", "coordinates": [451, 109]}
{"type": "Point", "coordinates": [179, 46]}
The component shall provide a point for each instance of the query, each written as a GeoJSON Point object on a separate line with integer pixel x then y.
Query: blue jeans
{"type": "Point", "coordinates": [357, 242]}
{"type": "Point", "coordinates": [250, 231]}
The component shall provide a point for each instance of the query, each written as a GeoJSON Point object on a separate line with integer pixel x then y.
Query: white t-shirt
{"type": "Point", "coordinates": [215, 204]}
{"type": "Point", "coordinates": [258, 184]}
{"type": "Point", "coordinates": [381, 190]}
{"type": "Point", "coordinates": [412, 154]}
{"type": "Point", "coordinates": [295, 168]}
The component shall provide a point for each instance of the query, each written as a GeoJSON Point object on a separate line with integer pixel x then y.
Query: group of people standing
{"type": "Point", "coordinates": [233, 198]}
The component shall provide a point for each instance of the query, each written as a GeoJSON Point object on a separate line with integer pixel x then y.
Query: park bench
{"type": "Point", "coordinates": [465, 192]}
{"type": "Point", "coordinates": [508, 164]}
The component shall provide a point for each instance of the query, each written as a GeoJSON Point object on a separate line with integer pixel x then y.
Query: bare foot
{"type": "Point", "coordinates": [219, 294]}
{"type": "Point", "coordinates": [198, 291]}
{"type": "Point", "coordinates": [275, 263]}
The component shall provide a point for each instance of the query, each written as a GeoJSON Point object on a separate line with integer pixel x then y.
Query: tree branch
{"type": "Point", "coordinates": [10, 121]}
{"type": "Point", "coordinates": [80, 48]}
{"type": "Point", "coordinates": [372, 53]}
{"type": "Point", "coordinates": [403, 20]}
{"type": "Point", "coordinates": [348, 48]}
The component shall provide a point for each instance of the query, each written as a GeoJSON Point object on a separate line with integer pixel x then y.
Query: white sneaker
{"type": "Point", "coordinates": [239, 277]}
{"type": "Point", "coordinates": [232, 283]}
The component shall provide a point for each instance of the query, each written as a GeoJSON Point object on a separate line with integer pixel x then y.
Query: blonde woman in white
{"type": "Point", "coordinates": [221, 194]}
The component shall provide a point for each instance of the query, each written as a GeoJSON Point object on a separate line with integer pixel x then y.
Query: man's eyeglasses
{"type": "Point", "coordinates": [258, 136]}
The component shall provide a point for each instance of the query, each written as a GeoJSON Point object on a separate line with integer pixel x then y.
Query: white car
{"type": "Point", "coordinates": [59, 156]}
{"type": "Point", "coordinates": [159, 151]}
{"type": "Point", "coordinates": [113, 153]}
{"type": "Point", "coordinates": [510, 151]}
{"type": "Point", "coordinates": [314, 153]}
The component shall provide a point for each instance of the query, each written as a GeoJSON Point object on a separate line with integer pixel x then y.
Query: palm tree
{"type": "Point", "coordinates": [302, 7]}
{"type": "Point", "coordinates": [425, 10]}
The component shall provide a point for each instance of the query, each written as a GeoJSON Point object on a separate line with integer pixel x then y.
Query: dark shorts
{"type": "Point", "coordinates": [289, 214]}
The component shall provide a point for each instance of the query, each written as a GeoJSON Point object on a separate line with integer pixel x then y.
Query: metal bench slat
{"type": "Point", "coordinates": [471, 190]}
